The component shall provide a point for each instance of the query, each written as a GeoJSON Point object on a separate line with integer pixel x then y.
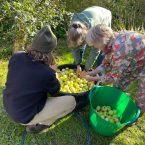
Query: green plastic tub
{"type": "Point", "coordinates": [127, 110]}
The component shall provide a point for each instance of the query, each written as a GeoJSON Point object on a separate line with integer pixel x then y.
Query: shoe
{"type": "Point", "coordinates": [37, 128]}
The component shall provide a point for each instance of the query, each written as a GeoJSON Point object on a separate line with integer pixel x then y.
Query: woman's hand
{"type": "Point", "coordinates": [91, 78]}
{"type": "Point", "coordinates": [54, 67]}
{"type": "Point", "coordinates": [83, 74]}
{"type": "Point", "coordinates": [79, 69]}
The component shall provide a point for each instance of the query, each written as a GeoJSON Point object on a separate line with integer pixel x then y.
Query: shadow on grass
{"type": "Point", "coordinates": [66, 131]}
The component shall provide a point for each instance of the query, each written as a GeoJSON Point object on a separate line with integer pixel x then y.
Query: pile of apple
{"type": "Point", "coordinates": [107, 113]}
{"type": "Point", "coordinates": [71, 83]}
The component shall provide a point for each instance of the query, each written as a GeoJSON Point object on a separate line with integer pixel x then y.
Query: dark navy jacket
{"type": "Point", "coordinates": [27, 85]}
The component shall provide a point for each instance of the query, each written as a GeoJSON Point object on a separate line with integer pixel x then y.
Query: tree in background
{"type": "Point", "coordinates": [127, 14]}
{"type": "Point", "coordinates": [22, 18]}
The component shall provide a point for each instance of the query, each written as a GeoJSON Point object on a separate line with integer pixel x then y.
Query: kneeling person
{"type": "Point", "coordinates": [30, 78]}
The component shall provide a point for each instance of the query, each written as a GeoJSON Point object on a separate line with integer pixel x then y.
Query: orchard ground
{"type": "Point", "coordinates": [69, 130]}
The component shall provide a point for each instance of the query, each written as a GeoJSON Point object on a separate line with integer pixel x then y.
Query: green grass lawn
{"type": "Point", "coordinates": [69, 130]}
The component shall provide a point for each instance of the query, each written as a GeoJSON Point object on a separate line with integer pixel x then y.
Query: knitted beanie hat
{"type": "Point", "coordinates": [44, 41]}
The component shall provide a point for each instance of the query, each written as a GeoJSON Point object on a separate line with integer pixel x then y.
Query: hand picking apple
{"type": "Point", "coordinates": [79, 69]}
{"type": "Point", "coordinates": [83, 74]}
{"type": "Point", "coordinates": [90, 75]}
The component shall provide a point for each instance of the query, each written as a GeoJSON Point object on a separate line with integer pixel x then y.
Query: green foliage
{"type": "Point", "coordinates": [60, 31]}
{"type": "Point", "coordinates": [20, 19]}
{"type": "Point", "coordinates": [126, 14]}
{"type": "Point", "coordinates": [23, 18]}
{"type": "Point", "coordinates": [5, 53]}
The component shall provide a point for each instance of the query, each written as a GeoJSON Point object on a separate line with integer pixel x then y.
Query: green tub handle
{"type": "Point", "coordinates": [135, 118]}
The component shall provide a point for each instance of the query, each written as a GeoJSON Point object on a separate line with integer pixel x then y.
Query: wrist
{"type": "Point", "coordinates": [78, 66]}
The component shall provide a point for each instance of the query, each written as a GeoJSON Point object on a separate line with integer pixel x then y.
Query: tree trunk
{"type": "Point", "coordinates": [19, 41]}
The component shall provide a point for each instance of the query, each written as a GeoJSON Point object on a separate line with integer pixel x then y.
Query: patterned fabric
{"type": "Point", "coordinates": [125, 61]}
{"type": "Point", "coordinates": [141, 90]}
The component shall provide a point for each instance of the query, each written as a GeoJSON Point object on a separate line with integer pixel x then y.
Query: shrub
{"type": "Point", "coordinates": [23, 18]}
